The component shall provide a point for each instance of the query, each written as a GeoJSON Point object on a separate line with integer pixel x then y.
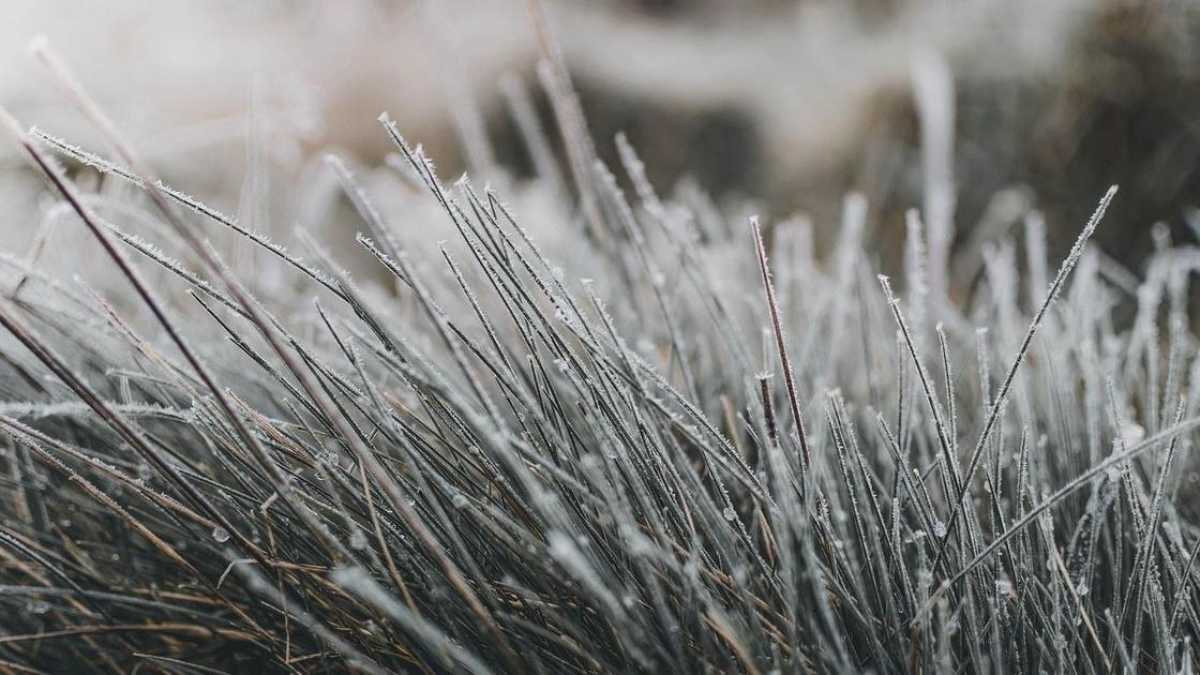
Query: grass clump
{"type": "Point", "coordinates": [715, 454]}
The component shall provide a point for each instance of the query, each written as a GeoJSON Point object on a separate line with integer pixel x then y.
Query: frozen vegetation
{"type": "Point", "coordinates": [592, 429]}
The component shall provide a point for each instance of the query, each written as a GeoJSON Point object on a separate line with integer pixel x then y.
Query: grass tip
{"type": "Point", "coordinates": [39, 44]}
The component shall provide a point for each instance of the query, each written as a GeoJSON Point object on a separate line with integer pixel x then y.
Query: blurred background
{"type": "Point", "coordinates": [772, 106]}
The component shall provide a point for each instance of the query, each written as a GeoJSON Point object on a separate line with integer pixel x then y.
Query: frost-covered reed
{"type": "Point", "coordinates": [697, 447]}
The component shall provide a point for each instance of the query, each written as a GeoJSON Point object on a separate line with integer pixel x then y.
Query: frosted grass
{"type": "Point", "coordinates": [720, 452]}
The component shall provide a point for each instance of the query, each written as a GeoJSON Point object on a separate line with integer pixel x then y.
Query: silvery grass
{"type": "Point", "coordinates": [718, 453]}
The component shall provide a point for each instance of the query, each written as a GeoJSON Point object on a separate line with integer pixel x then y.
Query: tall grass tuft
{"type": "Point", "coordinates": [697, 448]}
